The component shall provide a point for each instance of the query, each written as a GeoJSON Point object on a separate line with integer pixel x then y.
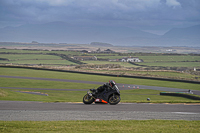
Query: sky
{"type": "Point", "coordinates": [155, 16]}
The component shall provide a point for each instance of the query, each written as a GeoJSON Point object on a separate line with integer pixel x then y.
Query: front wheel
{"type": "Point", "coordinates": [87, 99]}
{"type": "Point", "coordinates": [114, 99]}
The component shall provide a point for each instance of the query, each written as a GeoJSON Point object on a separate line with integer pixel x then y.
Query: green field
{"type": "Point", "coordinates": [170, 58]}
{"type": "Point", "coordinates": [172, 64]}
{"type": "Point", "coordinates": [161, 74]}
{"type": "Point", "coordinates": [135, 95]}
{"type": "Point", "coordinates": [31, 59]}
{"type": "Point", "coordinates": [157, 58]}
{"type": "Point", "coordinates": [37, 51]}
{"type": "Point", "coordinates": [129, 126]}
{"type": "Point", "coordinates": [124, 64]}
{"type": "Point", "coordinates": [87, 77]}
{"type": "Point", "coordinates": [164, 64]}
{"type": "Point", "coordinates": [161, 60]}
{"type": "Point", "coordinates": [40, 62]}
{"type": "Point", "coordinates": [150, 60]}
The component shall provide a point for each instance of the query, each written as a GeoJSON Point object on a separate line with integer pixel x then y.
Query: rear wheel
{"type": "Point", "coordinates": [114, 99]}
{"type": "Point", "coordinates": [87, 99]}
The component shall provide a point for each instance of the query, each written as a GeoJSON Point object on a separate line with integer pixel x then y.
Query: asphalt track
{"type": "Point", "coordinates": [39, 111]}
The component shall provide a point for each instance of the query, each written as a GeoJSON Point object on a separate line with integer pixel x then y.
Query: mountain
{"type": "Point", "coordinates": [189, 36]}
{"type": "Point", "coordinates": [192, 32]}
{"type": "Point", "coordinates": [64, 32]}
{"type": "Point", "coordinates": [56, 32]}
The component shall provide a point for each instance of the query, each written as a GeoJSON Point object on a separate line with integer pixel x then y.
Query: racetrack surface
{"type": "Point", "coordinates": [39, 111]}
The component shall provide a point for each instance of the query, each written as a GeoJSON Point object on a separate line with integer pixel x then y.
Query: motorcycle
{"type": "Point", "coordinates": [109, 95]}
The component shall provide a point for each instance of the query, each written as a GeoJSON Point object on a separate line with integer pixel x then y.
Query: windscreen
{"type": "Point", "coordinates": [117, 89]}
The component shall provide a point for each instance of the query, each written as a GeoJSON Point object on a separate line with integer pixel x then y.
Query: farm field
{"type": "Point", "coordinates": [170, 58]}
{"type": "Point", "coordinates": [34, 59]}
{"type": "Point", "coordinates": [184, 63]}
{"type": "Point", "coordinates": [36, 51]}
{"type": "Point", "coordinates": [40, 62]}
{"type": "Point", "coordinates": [157, 59]}
{"type": "Point", "coordinates": [123, 64]}
{"type": "Point", "coordinates": [163, 60]}
{"type": "Point", "coordinates": [161, 74]}
{"type": "Point", "coordinates": [171, 64]}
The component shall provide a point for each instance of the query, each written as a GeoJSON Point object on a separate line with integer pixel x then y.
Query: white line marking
{"type": "Point", "coordinates": [185, 113]}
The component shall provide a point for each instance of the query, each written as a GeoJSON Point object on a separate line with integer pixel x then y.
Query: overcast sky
{"type": "Point", "coordinates": [156, 16]}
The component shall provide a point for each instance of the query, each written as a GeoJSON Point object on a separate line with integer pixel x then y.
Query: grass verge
{"type": "Point", "coordinates": [128, 126]}
{"type": "Point", "coordinates": [87, 77]}
{"type": "Point", "coordinates": [129, 96]}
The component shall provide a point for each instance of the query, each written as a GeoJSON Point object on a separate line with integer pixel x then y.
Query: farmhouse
{"type": "Point", "coordinates": [83, 58]}
{"type": "Point", "coordinates": [85, 51]}
{"type": "Point", "coordinates": [107, 51]}
{"type": "Point", "coordinates": [130, 59]}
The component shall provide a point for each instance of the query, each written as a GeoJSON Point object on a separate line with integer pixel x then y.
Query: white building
{"type": "Point", "coordinates": [131, 59]}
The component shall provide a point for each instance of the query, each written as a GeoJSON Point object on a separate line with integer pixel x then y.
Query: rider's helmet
{"type": "Point", "coordinates": [112, 83]}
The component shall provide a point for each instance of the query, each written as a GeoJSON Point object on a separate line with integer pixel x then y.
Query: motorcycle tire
{"type": "Point", "coordinates": [114, 99]}
{"type": "Point", "coordinates": [87, 99]}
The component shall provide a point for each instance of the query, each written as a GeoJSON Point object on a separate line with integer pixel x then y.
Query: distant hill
{"type": "Point", "coordinates": [101, 44]}
{"type": "Point", "coordinates": [56, 32]}
{"type": "Point", "coordinates": [183, 36]}
{"type": "Point", "coordinates": [189, 36]}
{"type": "Point", "coordinates": [190, 32]}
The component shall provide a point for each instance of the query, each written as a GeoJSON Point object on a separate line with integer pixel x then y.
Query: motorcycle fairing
{"type": "Point", "coordinates": [100, 100]}
{"type": "Point", "coordinates": [104, 95]}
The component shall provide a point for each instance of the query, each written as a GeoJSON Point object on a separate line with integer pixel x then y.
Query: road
{"type": "Point", "coordinates": [39, 111]}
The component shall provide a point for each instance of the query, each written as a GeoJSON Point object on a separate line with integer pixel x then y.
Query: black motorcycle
{"type": "Point", "coordinates": [109, 95]}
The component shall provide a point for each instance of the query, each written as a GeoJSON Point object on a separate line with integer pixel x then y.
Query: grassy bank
{"type": "Point", "coordinates": [130, 96]}
{"type": "Point", "coordinates": [129, 126]}
{"type": "Point", "coordinates": [87, 77]}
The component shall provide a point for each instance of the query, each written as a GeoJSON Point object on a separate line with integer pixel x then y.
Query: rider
{"type": "Point", "coordinates": [109, 85]}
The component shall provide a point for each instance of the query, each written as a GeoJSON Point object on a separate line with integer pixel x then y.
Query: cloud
{"type": "Point", "coordinates": [123, 12]}
{"type": "Point", "coordinates": [55, 2]}
{"type": "Point", "coordinates": [173, 3]}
